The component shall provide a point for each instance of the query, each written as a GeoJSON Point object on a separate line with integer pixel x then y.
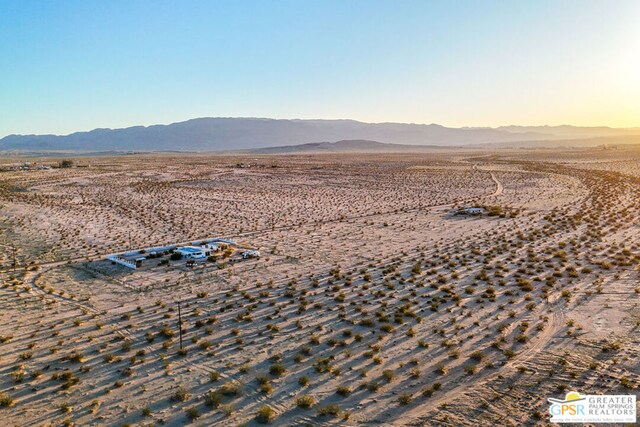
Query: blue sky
{"type": "Point", "coordinates": [77, 65]}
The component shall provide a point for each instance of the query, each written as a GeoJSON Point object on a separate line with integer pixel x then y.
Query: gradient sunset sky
{"type": "Point", "coordinates": [77, 65]}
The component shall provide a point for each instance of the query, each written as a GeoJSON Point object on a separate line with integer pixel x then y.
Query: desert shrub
{"type": "Point", "coordinates": [404, 399]}
{"type": "Point", "coordinates": [231, 388]}
{"type": "Point", "coordinates": [277, 369]}
{"type": "Point", "coordinates": [17, 376]}
{"type": "Point", "coordinates": [323, 365]}
{"type": "Point", "coordinates": [76, 357]}
{"type": "Point", "coordinates": [627, 383]}
{"type": "Point", "coordinates": [108, 358]}
{"type": "Point", "coordinates": [266, 388]}
{"type": "Point", "coordinates": [265, 415]}
{"type": "Point", "coordinates": [611, 346]}
{"type": "Point", "coordinates": [180, 395]}
{"type": "Point", "coordinates": [332, 410]}
{"type": "Point", "coordinates": [373, 386]}
{"type": "Point", "coordinates": [303, 381]}
{"type": "Point", "coordinates": [5, 400]}
{"type": "Point", "coordinates": [167, 332]}
{"type": "Point", "coordinates": [213, 398]}
{"type": "Point", "coordinates": [227, 409]}
{"type": "Point", "coordinates": [193, 413]}
{"type": "Point", "coordinates": [343, 390]}
{"type": "Point", "coordinates": [386, 327]}
{"type": "Point", "coordinates": [126, 345]}
{"type": "Point", "coordinates": [305, 401]}
{"type": "Point", "coordinates": [478, 356]}
{"type": "Point", "coordinates": [416, 269]}
{"type": "Point", "coordinates": [262, 379]}
{"type": "Point", "coordinates": [68, 380]}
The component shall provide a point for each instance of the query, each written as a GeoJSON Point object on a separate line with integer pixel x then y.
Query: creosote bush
{"type": "Point", "coordinates": [5, 400]}
{"type": "Point", "coordinates": [180, 395]}
{"type": "Point", "coordinates": [265, 415]}
{"type": "Point", "coordinates": [305, 401]}
{"type": "Point", "coordinates": [331, 409]}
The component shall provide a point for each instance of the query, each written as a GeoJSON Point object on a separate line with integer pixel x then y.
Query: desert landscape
{"type": "Point", "coordinates": [449, 287]}
{"type": "Point", "coordinates": [319, 213]}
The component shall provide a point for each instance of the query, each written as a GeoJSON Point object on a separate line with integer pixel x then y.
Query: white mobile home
{"type": "Point", "coordinates": [213, 247]}
{"type": "Point", "coordinates": [192, 252]}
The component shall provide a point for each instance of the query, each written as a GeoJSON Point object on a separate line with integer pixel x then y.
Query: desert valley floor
{"type": "Point", "coordinates": [371, 303]}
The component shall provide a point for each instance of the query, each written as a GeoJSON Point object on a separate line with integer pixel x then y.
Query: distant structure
{"type": "Point", "coordinates": [470, 211]}
{"type": "Point", "coordinates": [193, 252]}
{"type": "Point", "coordinates": [250, 254]}
{"type": "Point", "coordinates": [123, 261]}
{"type": "Point", "coordinates": [213, 247]}
{"type": "Point", "coordinates": [26, 166]}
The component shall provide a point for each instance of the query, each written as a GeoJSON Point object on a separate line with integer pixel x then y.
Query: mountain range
{"type": "Point", "coordinates": [227, 134]}
{"type": "Point", "coordinates": [344, 146]}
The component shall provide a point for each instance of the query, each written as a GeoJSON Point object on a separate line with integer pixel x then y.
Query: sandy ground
{"type": "Point", "coordinates": [371, 303]}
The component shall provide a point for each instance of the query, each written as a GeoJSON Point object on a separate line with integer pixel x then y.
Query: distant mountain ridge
{"type": "Point", "coordinates": [568, 131]}
{"type": "Point", "coordinates": [225, 134]}
{"type": "Point", "coordinates": [364, 146]}
{"type": "Point", "coordinates": [348, 145]}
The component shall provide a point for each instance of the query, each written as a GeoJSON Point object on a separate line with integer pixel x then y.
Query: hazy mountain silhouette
{"type": "Point", "coordinates": [568, 131]}
{"type": "Point", "coordinates": [349, 145]}
{"type": "Point", "coordinates": [223, 134]}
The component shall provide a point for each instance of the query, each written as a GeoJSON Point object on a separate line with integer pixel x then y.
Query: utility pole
{"type": "Point", "coordinates": [130, 246]}
{"type": "Point", "coordinates": [180, 324]}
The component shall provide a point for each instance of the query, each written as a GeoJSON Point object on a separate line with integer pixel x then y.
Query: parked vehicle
{"type": "Point", "coordinates": [250, 254]}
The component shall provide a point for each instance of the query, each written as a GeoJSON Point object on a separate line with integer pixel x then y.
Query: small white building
{"type": "Point", "coordinates": [213, 247]}
{"type": "Point", "coordinates": [474, 211]}
{"type": "Point", "coordinates": [192, 252]}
